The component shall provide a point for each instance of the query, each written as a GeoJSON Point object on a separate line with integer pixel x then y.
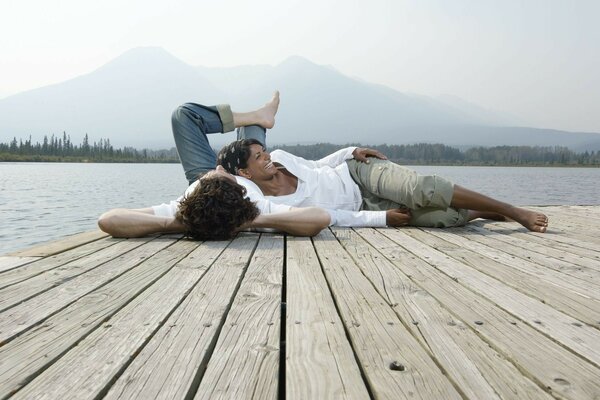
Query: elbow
{"type": "Point", "coordinates": [105, 223]}
{"type": "Point", "coordinates": [322, 221]}
{"type": "Point", "coordinates": [108, 224]}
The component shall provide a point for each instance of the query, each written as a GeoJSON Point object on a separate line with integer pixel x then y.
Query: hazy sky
{"type": "Point", "coordinates": [538, 60]}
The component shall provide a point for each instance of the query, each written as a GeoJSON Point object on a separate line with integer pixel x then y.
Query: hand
{"type": "Point", "coordinates": [397, 217]}
{"type": "Point", "coordinates": [361, 154]}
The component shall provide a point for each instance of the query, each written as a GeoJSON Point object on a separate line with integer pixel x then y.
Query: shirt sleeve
{"type": "Point", "coordinates": [166, 209]}
{"type": "Point", "coordinates": [337, 158]}
{"type": "Point", "coordinates": [357, 218]}
{"type": "Point", "coordinates": [332, 160]}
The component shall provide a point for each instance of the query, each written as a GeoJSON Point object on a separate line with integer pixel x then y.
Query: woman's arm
{"type": "Point", "coordinates": [122, 222]}
{"type": "Point", "coordinates": [306, 221]}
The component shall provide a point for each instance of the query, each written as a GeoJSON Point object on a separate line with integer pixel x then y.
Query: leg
{"type": "Point", "coordinates": [191, 123]}
{"type": "Point", "coordinates": [465, 198]}
{"type": "Point", "coordinates": [385, 185]}
{"type": "Point", "coordinates": [264, 116]}
{"type": "Point", "coordinates": [252, 132]}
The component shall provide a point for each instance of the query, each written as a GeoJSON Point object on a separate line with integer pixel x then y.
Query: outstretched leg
{"type": "Point", "coordinates": [468, 199]}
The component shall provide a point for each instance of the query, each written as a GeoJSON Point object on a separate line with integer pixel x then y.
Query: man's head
{"type": "Point", "coordinates": [247, 158]}
{"type": "Point", "coordinates": [216, 208]}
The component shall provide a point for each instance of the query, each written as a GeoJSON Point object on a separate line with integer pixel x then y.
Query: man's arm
{"type": "Point", "coordinates": [122, 222]}
{"type": "Point", "coordinates": [306, 221]}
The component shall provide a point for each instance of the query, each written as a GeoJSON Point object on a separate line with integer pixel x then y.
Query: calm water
{"type": "Point", "coordinates": [44, 201]}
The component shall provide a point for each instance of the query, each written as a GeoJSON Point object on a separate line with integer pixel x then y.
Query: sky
{"type": "Point", "coordinates": [536, 60]}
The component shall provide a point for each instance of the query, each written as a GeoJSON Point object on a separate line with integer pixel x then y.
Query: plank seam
{"type": "Point", "coordinates": [67, 279]}
{"type": "Point", "coordinates": [282, 326]}
{"type": "Point", "coordinates": [427, 348]}
{"type": "Point", "coordinates": [102, 392]}
{"type": "Point", "coordinates": [76, 343]}
{"type": "Point", "coordinates": [472, 290]}
{"type": "Point", "coordinates": [197, 379]}
{"type": "Point", "coordinates": [510, 359]}
{"type": "Point", "coordinates": [346, 332]}
{"type": "Point", "coordinates": [43, 320]}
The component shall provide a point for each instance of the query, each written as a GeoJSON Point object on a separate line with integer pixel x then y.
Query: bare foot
{"type": "Point", "coordinates": [532, 220]}
{"type": "Point", "coordinates": [266, 114]}
{"type": "Point", "coordinates": [486, 215]}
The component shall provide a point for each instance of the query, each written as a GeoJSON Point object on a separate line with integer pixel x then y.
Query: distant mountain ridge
{"type": "Point", "coordinates": [130, 99]}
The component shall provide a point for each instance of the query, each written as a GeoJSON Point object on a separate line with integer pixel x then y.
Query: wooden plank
{"type": "Point", "coordinates": [320, 363]}
{"type": "Point", "coordinates": [20, 292]}
{"type": "Point", "coordinates": [584, 277]}
{"type": "Point", "coordinates": [58, 246]}
{"type": "Point", "coordinates": [27, 271]}
{"type": "Point", "coordinates": [547, 250]}
{"type": "Point", "coordinates": [550, 365]}
{"type": "Point", "coordinates": [33, 351]}
{"type": "Point", "coordinates": [544, 240]}
{"type": "Point", "coordinates": [171, 365]}
{"type": "Point", "coordinates": [87, 369]}
{"type": "Point", "coordinates": [520, 260]}
{"type": "Point", "coordinates": [580, 338]}
{"type": "Point", "coordinates": [379, 338]}
{"type": "Point", "coordinates": [478, 370]}
{"type": "Point", "coordinates": [245, 361]}
{"type": "Point", "coordinates": [25, 315]}
{"type": "Point", "coordinates": [10, 262]}
{"type": "Point", "coordinates": [573, 303]}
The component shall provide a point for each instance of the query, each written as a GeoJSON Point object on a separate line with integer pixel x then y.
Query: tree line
{"type": "Point", "coordinates": [62, 149]}
{"type": "Point", "coordinates": [439, 154]}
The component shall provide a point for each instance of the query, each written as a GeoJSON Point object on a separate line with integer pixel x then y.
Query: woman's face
{"type": "Point", "coordinates": [260, 166]}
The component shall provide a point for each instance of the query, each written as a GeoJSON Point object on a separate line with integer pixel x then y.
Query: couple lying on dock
{"type": "Point", "coordinates": [246, 187]}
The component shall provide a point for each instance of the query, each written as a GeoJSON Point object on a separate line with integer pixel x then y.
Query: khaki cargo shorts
{"type": "Point", "coordinates": [385, 185]}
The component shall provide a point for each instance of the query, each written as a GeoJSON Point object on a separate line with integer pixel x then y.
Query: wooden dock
{"type": "Point", "coordinates": [488, 311]}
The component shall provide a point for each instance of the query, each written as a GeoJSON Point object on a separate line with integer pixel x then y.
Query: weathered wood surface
{"type": "Point", "coordinates": [487, 311]}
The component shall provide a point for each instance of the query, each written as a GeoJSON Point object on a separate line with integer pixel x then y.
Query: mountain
{"type": "Point", "coordinates": [130, 100]}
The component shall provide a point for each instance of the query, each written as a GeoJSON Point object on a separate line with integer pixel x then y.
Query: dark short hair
{"type": "Point", "coordinates": [215, 209]}
{"type": "Point", "coordinates": [235, 155]}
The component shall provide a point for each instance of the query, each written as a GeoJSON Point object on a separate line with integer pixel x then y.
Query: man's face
{"type": "Point", "coordinates": [260, 165]}
{"type": "Point", "coordinates": [219, 172]}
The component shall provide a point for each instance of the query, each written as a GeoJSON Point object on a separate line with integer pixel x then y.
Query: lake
{"type": "Point", "coordinates": [45, 201]}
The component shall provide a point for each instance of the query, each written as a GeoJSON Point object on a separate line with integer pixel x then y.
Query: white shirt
{"type": "Point", "coordinates": [324, 183]}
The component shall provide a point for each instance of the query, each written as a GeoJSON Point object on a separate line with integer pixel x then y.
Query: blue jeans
{"type": "Point", "coordinates": [192, 122]}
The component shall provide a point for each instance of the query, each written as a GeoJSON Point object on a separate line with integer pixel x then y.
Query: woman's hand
{"type": "Point", "coordinates": [397, 217]}
{"type": "Point", "coordinates": [361, 154]}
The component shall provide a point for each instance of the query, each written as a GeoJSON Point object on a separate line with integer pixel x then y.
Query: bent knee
{"type": "Point", "coordinates": [179, 113]}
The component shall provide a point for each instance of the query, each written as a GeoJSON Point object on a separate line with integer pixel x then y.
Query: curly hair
{"type": "Point", "coordinates": [215, 209]}
{"type": "Point", "coordinates": [235, 155]}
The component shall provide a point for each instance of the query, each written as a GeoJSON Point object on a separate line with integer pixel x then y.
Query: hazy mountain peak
{"type": "Point", "coordinates": [297, 61]}
{"type": "Point", "coordinates": [130, 99]}
{"type": "Point", "coordinates": [143, 57]}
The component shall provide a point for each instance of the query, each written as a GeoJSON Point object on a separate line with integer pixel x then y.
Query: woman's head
{"type": "Point", "coordinates": [235, 155]}
{"type": "Point", "coordinates": [247, 158]}
{"type": "Point", "coordinates": [216, 209]}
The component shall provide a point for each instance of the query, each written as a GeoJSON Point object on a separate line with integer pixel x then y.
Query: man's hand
{"type": "Point", "coordinates": [361, 154]}
{"type": "Point", "coordinates": [397, 217]}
